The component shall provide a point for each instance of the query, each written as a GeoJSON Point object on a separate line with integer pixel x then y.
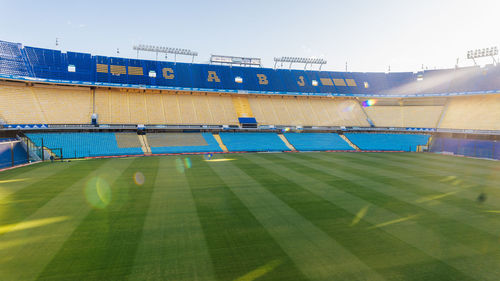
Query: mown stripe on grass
{"type": "Point", "coordinates": [480, 163]}
{"type": "Point", "coordinates": [104, 244]}
{"type": "Point", "coordinates": [19, 205]}
{"type": "Point", "coordinates": [22, 171]}
{"type": "Point", "coordinates": [395, 252]}
{"type": "Point", "coordinates": [12, 184]}
{"type": "Point", "coordinates": [318, 256]}
{"type": "Point", "coordinates": [173, 245]}
{"type": "Point", "coordinates": [26, 252]}
{"type": "Point", "coordinates": [238, 244]}
{"type": "Point", "coordinates": [468, 260]}
{"type": "Point", "coordinates": [469, 174]}
{"type": "Point", "coordinates": [459, 193]}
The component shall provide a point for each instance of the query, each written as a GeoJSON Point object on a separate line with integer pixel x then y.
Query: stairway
{"type": "Point", "coordinates": [242, 107]}
{"type": "Point", "coordinates": [145, 145]}
{"type": "Point", "coordinates": [288, 144]}
{"type": "Point", "coordinates": [350, 142]}
{"type": "Point", "coordinates": [219, 141]}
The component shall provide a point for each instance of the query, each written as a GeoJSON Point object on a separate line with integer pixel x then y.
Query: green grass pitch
{"type": "Point", "coordinates": [292, 216]}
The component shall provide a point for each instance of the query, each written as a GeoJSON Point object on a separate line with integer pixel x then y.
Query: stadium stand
{"type": "Point", "coordinates": [182, 143]}
{"type": "Point", "coordinates": [405, 116]}
{"type": "Point", "coordinates": [317, 141]}
{"type": "Point", "coordinates": [304, 111]}
{"type": "Point", "coordinates": [467, 147]}
{"type": "Point", "coordinates": [473, 112]}
{"type": "Point", "coordinates": [98, 70]}
{"type": "Point", "coordinates": [387, 142]}
{"type": "Point", "coordinates": [124, 107]}
{"type": "Point", "coordinates": [253, 142]}
{"type": "Point", "coordinates": [83, 144]}
{"type": "Point", "coordinates": [11, 59]}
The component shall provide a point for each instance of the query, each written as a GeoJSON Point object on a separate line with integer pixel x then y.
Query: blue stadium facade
{"type": "Point", "coordinates": [46, 65]}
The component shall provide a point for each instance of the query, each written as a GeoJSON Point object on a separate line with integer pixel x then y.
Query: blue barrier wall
{"type": "Point", "coordinates": [467, 147]}
{"type": "Point", "coordinates": [20, 155]}
{"type": "Point", "coordinates": [53, 65]}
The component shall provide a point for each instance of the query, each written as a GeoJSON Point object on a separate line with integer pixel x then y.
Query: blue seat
{"type": "Point", "coordinates": [212, 146]}
{"type": "Point", "coordinates": [317, 141]}
{"type": "Point", "coordinates": [387, 142]}
{"type": "Point", "coordinates": [76, 145]}
{"type": "Point", "coordinates": [253, 142]}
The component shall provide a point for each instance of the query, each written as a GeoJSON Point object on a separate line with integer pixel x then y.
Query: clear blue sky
{"type": "Point", "coordinates": [369, 34]}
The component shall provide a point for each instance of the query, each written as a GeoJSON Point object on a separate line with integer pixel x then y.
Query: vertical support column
{"type": "Point", "coordinates": [12, 153]}
{"type": "Point", "coordinates": [43, 152]}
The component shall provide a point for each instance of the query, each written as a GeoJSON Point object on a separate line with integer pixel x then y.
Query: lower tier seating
{"type": "Point", "coordinates": [76, 145]}
{"type": "Point", "coordinates": [182, 143]}
{"type": "Point", "coordinates": [387, 142]}
{"type": "Point", "coordinates": [317, 141]}
{"type": "Point", "coordinates": [253, 142]}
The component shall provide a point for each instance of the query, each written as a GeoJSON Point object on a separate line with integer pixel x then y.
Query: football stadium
{"type": "Point", "coordinates": [157, 165]}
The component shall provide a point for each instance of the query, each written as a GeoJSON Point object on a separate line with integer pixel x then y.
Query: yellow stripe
{"type": "Point", "coordinates": [435, 197]}
{"type": "Point", "coordinates": [360, 215]}
{"type": "Point", "coordinates": [326, 81]}
{"type": "Point", "coordinates": [118, 69]}
{"type": "Point", "coordinates": [351, 82]}
{"type": "Point", "coordinates": [393, 222]}
{"type": "Point", "coordinates": [339, 82]}
{"type": "Point", "coordinates": [103, 68]}
{"type": "Point", "coordinates": [135, 70]}
{"type": "Point", "coordinates": [260, 271]}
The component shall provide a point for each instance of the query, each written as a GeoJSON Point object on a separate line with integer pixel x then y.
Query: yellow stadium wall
{"type": "Point", "coordinates": [45, 104]}
{"type": "Point", "coordinates": [306, 111]}
{"type": "Point", "coordinates": [122, 107]}
{"type": "Point", "coordinates": [472, 112]}
{"type": "Point", "coordinates": [48, 104]}
{"type": "Point", "coordinates": [405, 116]}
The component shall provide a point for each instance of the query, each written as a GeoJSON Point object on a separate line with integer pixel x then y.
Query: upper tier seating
{"type": "Point", "coordinates": [118, 107]}
{"type": "Point", "coordinates": [83, 144]}
{"type": "Point", "coordinates": [405, 116]}
{"type": "Point", "coordinates": [182, 143]}
{"type": "Point", "coordinates": [11, 59]}
{"type": "Point", "coordinates": [253, 142]}
{"type": "Point", "coordinates": [472, 112]}
{"type": "Point", "coordinates": [54, 64]}
{"type": "Point", "coordinates": [305, 111]}
{"type": "Point", "coordinates": [317, 141]}
{"type": "Point", "coordinates": [45, 105]}
{"type": "Point", "coordinates": [387, 142]}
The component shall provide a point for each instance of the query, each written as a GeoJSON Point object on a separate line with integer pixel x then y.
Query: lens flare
{"type": "Point", "coordinates": [208, 156]}
{"type": "Point", "coordinates": [348, 108]}
{"type": "Point", "coordinates": [370, 102]}
{"type": "Point", "coordinates": [284, 130]}
{"type": "Point", "coordinates": [98, 193]}
{"type": "Point", "coordinates": [179, 166]}
{"type": "Point", "coordinates": [139, 178]}
{"type": "Point", "coordinates": [187, 163]}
